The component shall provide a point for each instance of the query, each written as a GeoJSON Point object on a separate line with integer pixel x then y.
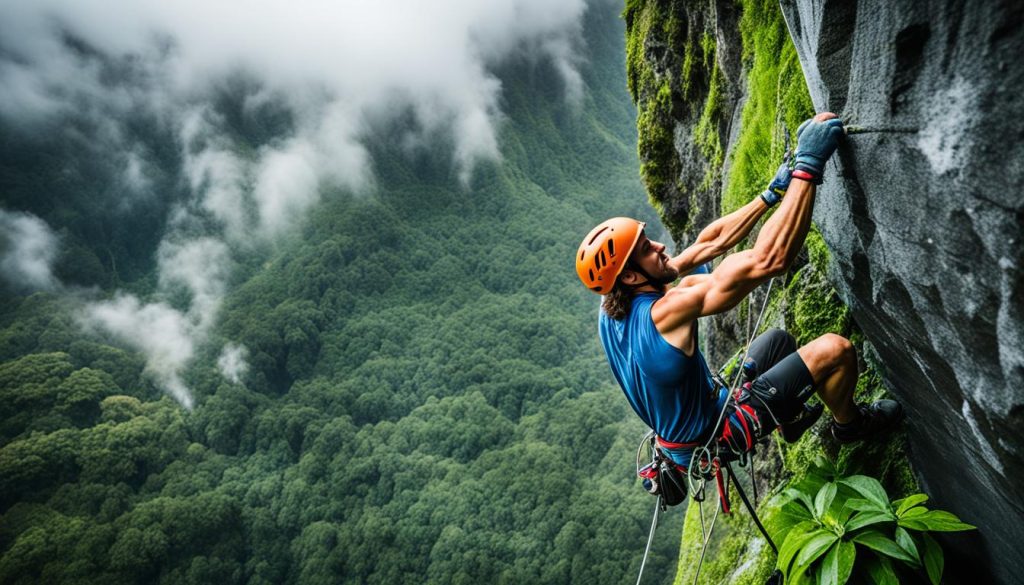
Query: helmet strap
{"type": "Point", "coordinates": [631, 265]}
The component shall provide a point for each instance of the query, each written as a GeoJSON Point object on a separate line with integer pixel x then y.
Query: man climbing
{"type": "Point", "coordinates": [649, 329]}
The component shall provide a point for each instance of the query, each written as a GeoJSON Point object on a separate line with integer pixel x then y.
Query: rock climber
{"type": "Point", "coordinates": [649, 328]}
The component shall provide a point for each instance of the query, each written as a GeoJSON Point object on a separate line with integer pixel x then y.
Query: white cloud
{"type": "Point", "coordinates": [286, 185]}
{"type": "Point", "coordinates": [201, 266]}
{"type": "Point", "coordinates": [162, 333]}
{"type": "Point", "coordinates": [342, 58]}
{"type": "Point", "coordinates": [232, 362]}
{"type": "Point", "coordinates": [27, 251]}
{"type": "Point", "coordinates": [165, 335]}
{"type": "Point", "coordinates": [214, 172]}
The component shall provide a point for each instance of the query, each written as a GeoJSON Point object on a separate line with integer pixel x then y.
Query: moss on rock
{"type": "Point", "coordinates": [675, 80]}
{"type": "Point", "coordinates": [777, 101]}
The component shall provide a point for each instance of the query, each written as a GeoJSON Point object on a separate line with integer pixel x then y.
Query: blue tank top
{"type": "Point", "coordinates": [670, 392]}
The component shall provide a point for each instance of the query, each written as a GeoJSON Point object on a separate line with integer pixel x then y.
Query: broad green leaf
{"type": "Point", "coordinates": [904, 504]}
{"type": "Point", "coordinates": [863, 519]}
{"type": "Point", "coordinates": [934, 520]}
{"type": "Point", "coordinates": [933, 559]}
{"type": "Point", "coordinates": [915, 511]}
{"type": "Point", "coordinates": [942, 521]}
{"type": "Point", "coordinates": [865, 505]}
{"type": "Point", "coordinates": [877, 541]}
{"type": "Point", "coordinates": [907, 543]}
{"type": "Point", "coordinates": [829, 572]}
{"type": "Point", "coordinates": [913, 523]}
{"type": "Point", "coordinates": [844, 515]}
{"type": "Point", "coordinates": [881, 571]}
{"type": "Point", "coordinates": [795, 540]}
{"type": "Point", "coordinates": [868, 487]}
{"type": "Point", "coordinates": [809, 485]}
{"type": "Point", "coordinates": [846, 556]}
{"type": "Point", "coordinates": [823, 500]}
{"type": "Point", "coordinates": [815, 547]}
{"type": "Point", "coordinates": [800, 576]}
{"type": "Point", "coordinates": [799, 496]}
{"type": "Point", "coordinates": [785, 520]}
{"type": "Point", "coordinates": [838, 563]}
{"type": "Point", "coordinates": [798, 510]}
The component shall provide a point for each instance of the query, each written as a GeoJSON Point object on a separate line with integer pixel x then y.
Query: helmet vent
{"type": "Point", "coordinates": [604, 260]}
{"type": "Point", "coordinates": [611, 248]}
{"type": "Point", "coordinates": [591, 275]}
{"type": "Point", "coordinates": [597, 234]}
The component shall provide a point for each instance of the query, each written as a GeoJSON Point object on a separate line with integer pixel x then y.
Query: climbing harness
{"type": "Point", "coordinates": [711, 458]}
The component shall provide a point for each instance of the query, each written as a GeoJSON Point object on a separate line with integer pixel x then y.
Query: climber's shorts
{"type": "Point", "coordinates": [782, 382]}
{"type": "Point", "coordinates": [775, 396]}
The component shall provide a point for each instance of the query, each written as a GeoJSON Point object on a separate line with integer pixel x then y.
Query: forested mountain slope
{"type": "Point", "coordinates": [414, 394]}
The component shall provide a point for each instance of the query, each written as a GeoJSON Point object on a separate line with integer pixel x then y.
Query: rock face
{"type": "Point", "coordinates": [924, 217]}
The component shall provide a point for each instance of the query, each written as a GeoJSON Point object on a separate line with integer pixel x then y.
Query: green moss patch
{"type": "Point", "coordinates": [777, 98]}
{"type": "Point", "coordinates": [674, 79]}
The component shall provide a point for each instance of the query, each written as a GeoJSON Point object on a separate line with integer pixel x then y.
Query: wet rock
{"type": "Point", "coordinates": [924, 216]}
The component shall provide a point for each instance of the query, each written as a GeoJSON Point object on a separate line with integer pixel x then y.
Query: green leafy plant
{"type": "Point", "coordinates": [827, 520]}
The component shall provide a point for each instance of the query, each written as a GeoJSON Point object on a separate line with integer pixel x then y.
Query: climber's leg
{"type": "Point", "coordinates": [832, 363]}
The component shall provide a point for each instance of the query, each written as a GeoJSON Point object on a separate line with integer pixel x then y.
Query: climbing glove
{"type": "Point", "coordinates": [816, 141]}
{"type": "Point", "coordinates": [777, 188]}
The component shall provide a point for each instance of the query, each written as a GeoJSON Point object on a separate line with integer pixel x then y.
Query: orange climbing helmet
{"type": "Point", "coordinates": [605, 251]}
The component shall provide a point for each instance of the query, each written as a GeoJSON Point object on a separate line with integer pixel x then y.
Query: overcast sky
{"type": "Point", "coordinates": [331, 65]}
{"type": "Point", "coordinates": [332, 61]}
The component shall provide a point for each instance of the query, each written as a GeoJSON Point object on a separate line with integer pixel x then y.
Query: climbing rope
{"type": "Point", "coordinates": [714, 462]}
{"type": "Point", "coordinates": [650, 539]}
{"type": "Point", "coordinates": [706, 448]}
{"type": "Point", "coordinates": [711, 467]}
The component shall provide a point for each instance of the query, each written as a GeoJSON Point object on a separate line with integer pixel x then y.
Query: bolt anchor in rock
{"type": "Point", "coordinates": [870, 130]}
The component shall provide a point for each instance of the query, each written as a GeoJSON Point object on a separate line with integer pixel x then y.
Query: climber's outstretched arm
{"type": "Point", "coordinates": [727, 231]}
{"type": "Point", "coordinates": [720, 236]}
{"type": "Point", "coordinates": [774, 251]}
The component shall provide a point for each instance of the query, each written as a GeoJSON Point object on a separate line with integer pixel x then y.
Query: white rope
{"type": "Point", "coordinates": [703, 450]}
{"type": "Point", "coordinates": [650, 538]}
{"type": "Point", "coordinates": [704, 548]}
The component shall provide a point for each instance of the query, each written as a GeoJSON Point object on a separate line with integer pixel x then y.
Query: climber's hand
{"type": "Point", "coordinates": [777, 188]}
{"type": "Point", "coordinates": [817, 139]}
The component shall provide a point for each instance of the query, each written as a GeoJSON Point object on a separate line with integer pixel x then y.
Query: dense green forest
{"type": "Point", "coordinates": [426, 401]}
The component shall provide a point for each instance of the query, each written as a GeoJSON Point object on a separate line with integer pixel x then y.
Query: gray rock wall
{"type": "Point", "coordinates": [925, 217]}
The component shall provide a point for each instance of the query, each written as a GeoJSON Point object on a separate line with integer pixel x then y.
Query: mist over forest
{"type": "Point", "coordinates": [287, 294]}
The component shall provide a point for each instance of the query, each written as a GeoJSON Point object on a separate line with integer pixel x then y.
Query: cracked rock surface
{"type": "Point", "coordinates": [923, 213]}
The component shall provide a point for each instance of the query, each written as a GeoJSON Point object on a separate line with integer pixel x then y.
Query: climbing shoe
{"type": "Point", "coordinates": [794, 429]}
{"type": "Point", "coordinates": [875, 419]}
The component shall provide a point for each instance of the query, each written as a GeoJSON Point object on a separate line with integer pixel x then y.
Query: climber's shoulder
{"type": "Point", "coordinates": [681, 304]}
